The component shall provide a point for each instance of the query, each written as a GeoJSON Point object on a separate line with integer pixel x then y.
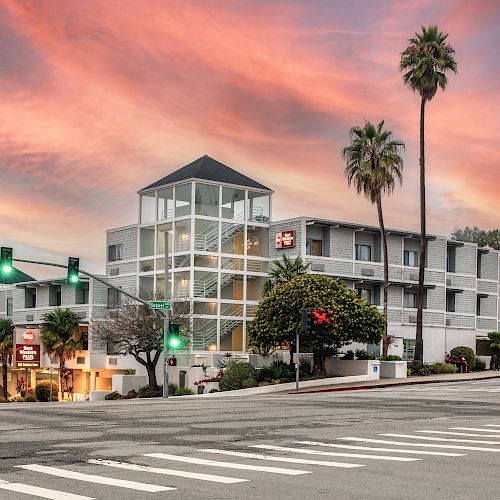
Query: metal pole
{"type": "Point", "coordinates": [166, 319]}
{"type": "Point", "coordinates": [297, 364]}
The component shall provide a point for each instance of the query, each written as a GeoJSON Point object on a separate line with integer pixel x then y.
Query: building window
{"type": "Point", "coordinates": [365, 294]}
{"type": "Point", "coordinates": [82, 293]}
{"type": "Point", "coordinates": [478, 305]}
{"type": "Point", "coordinates": [114, 298]}
{"type": "Point", "coordinates": [411, 258]}
{"type": "Point", "coordinates": [114, 252]}
{"type": "Point", "coordinates": [450, 302]}
{"type": "Point", "coordinates": [30, 298]}
{"type": "Point", "coordinates": [258, 207]}
{"type": "Point", "coordinates": [148, 207]}
{"type": "Point", "coordinates": [165, 203]}
{"type": "Point", "coordinates": [183, 200]}
{"type": "Point", "coordinates": [408, 349]}
{"type": "Point", "coordinates": [451, 258]}
{"type": "Point", "coordinates": [410, 300]}
{"type": "Point", "coordinates": [55, 295]}
{"type": "Point", "coordinates": [84, 339]}
{"type": "Point", "coordinates": [233, 203]}
{"type": "Point", "coordinates": [314, 247]}
{"type": "Point", "coordinates": [206, 200]}
{"type": "Point", "coordinates": [363, 252]}
{"type": "Point", "coordinates": [9, 306]}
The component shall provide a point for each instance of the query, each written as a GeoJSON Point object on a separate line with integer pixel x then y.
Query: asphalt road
{"type": "Point", "coordinates": [436, 441]}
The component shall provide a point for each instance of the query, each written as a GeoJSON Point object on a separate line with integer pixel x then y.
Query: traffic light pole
{"type": "Point", "coordinates": [166, 320]}
{"type": "Point", "coordinates": [297, 364]}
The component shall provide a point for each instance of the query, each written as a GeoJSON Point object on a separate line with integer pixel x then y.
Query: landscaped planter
{"type": "Point", "coordinates": [125, 383]}
{"type": "Point", "coordinates": [352, 367]}
{"type": "Point", "coordinates": [393, 369]}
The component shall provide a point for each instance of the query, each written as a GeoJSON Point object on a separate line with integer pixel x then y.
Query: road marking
{"type": "Point", "coordinates": [283, 459]}
{"type": "Point", "coordinates": [168, 472]}
{"type": "Point", "coordinates": [491, 425]}
{"type": "Point", "coordinates": [426, 445]}
{"type": "Point", "coordinates": [368, 448]}
{"type": "Point", "coordinates": [332, 453]}
{"type": "Point", "coordinates": [91, 478]}
{"type": "Point", "coordinates": [227, 465]}
{"type": "Point", "coordinates": [472, 429]}
{"type": "Point", "coordinates": [459, 434]}
{"type": "Point", "coordinates": [448, 440]}
{"type": "Point", "coordinates": [41, 492]}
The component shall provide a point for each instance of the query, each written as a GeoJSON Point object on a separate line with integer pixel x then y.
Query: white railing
{"type": "Point", "coordinates": [209, 335]}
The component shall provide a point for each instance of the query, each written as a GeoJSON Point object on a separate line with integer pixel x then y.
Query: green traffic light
{"type": "Point", "coordinates": [74, 278]}
{"type": "Point", "coordinates": [175, 342]}
{"type": "Point", "coordinates": [7, 269]}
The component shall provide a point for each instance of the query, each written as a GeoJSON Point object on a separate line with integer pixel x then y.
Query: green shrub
{"type": "Point", "coordinates": [235, 374]}
{"type": "Point", "coordinates": [264, 375]}
{"type": "Point", "coordinates": [183, 392]}
{"type": "Point", "coordinates": [409, 372]}
{"type": "Point", "coordinates": [285, 380]}
{"type": "Point", "coordinates": [349, 355]}
{"type": "Point", "coordinates": [143, 391]}
{"type": "Point", "coordinates": [467, 353]}
{"type": "Point", "coordinates": [480, 365]}
{"type": "Point", "coordinates": [391, 357]}
{"type": "Point", "coordinates": [213, 390]}
{"type": "Point", "coordinates": [438, 368]}
{"type": "Point", "coordinates": [280, 369]}
{"type": "Point", "coordinates": [129, 371]}
{"type": "Point", "coordinates": [362, 354]}
{"type": "Point", "coordinates": [42, 390]}
{"type": "Point", "coordinates": [248, 383]}
{"type": "Point", "coordinates": [30, 399]}
{"type": "Point", "coordinates": [131, 394]}
{"type": "Point", "coordinates": [172, 389]}
{"type": "Point", "coordinates": [425, 370]}
{"type": "Point", "coordinates": [112, 396]}
{"type": "Point", "coordinates": [305, 368]}
{"type": "Point", "coordinates": [415, 366]}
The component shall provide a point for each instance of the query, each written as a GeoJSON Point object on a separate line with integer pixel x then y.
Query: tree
{"type": "Point", "coordinates": [134, 329]}
{"type": "Point", "coordinates": [494, 342]}
{"type": "Point", "coordinates": [424, 64]}
{"type": "Point", "coordinates": [284, 271]}
{"type": "Point", "coordinates": [373, 165]}
{"type": "Point", "coordinates": [347, 318]}
{"type": "Point", "coordinates": [6, 346]}
{"type": "Point", "coordinates": [483, 238]}
{"type": "Point", "coordinates": [61, 339]}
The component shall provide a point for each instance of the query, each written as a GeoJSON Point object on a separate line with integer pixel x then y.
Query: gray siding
{"type": "Point", "coordinates": [127, 237]}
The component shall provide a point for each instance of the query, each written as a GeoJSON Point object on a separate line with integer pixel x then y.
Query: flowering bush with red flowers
{"type": "Point", "coordinates": [323, 318]}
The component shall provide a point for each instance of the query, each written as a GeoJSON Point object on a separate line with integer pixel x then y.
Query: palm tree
{"type": "Point", "coordinates": [60, 339]}
{"type": "Point", "coordinates": [284, 271]}
{"type": "Point", "coordinates": [373, 165]}
{"type": "Point", "coordinates": [6, 345]}
{"type": "Point", "coordinates": [495, 342]}
{"type": "Point", "coordinates": [425, 62]}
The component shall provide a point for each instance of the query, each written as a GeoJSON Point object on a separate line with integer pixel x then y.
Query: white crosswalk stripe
{"type": "Point", "coordinates": [424, 445]}
{"type": "Point", "coordinates": [333, 453]}
{"type": "Point", "coordinates": [391, 450]}
{"type": "Point", "coordinates": [228, 465]}
{"type": "Point", "coordinates": [446, 440]}
{"type": "Point", "coordinates": [168, 472]}
{"type": "Point", "coordinates": [492, 425]}
{"type": "Point", "coordinates": [40, 492]}
{"type": "Point", "coordinates": [459, 434]}
{"type": "Point", "coordinates": [272, 458]}
{"type": "Point", "coordinates": [91, 478]}
{"type": "Point", "coordinates": [476, 429]}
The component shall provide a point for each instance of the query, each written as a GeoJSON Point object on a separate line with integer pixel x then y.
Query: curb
{"type": "Point", "coordinates": [382, 386]}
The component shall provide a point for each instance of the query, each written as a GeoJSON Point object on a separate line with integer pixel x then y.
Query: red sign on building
{"type": "Point", "coordinates": [28, 336]}
{"type": "Point", "coordinates": [285, 239]}
{"type": "Point", "coordinates": [27, 356]}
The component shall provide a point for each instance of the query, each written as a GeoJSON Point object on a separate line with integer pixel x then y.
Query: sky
{"type": "Point", "coordinates": [101, 98]}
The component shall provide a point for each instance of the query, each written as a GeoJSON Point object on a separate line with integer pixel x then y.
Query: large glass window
{"type": "Point", "coordinates": [183, 200]}
{"type": "Point", "coordinates": [148, 207]}
{"type": "Point", "coordinates": [30, 298]}
{"type": "Point", "coordinates": [182, 236]}
{"type": "Point", "coordinates": [206, 235]}
{"type": "Point", "coordinates": [146, 286]}
{"type": "Point", "coordinates": [231, 309]}
{"type": "Point", "coordinates": [147, 246]}
{"type": "Point", "coordinates": [206, 200]}
{"type": "Point", "coordinates": [145, 266]}
{"type": "Point", "coordinates": [258, 241]}
{"type": "Point", "coordinates": [160, 244]}
{"type": "Point", "coordinates": [314, 247]}
{"type": "Point", "coordinates": [233, 203]}
{"type": "Point", "coordinates": [181, 284]}
{"type": "Point", "coordinates": [207, 308]}
{"type": "Point", "coordinates": [231, 286]}
{"type": "Point", "coordinates": [410, 258]}
{"type": "Point", "coordinates": [160, 286]}
{"type": "Point", "coordinates": [205, 284]}
{"type": "Point", "coordinates": [233, 264]}
{"type": "Point", "coordinates": [410, 300]}
{"type": "Point", "coordinates": [165, 203]}
{"type": "Point", "coordinates": [204, 334]}
{"type": "Point", "coordinates": [255, 286]}
{"type": "Point", "coordinates": [233, 238]}
{"type": "Point", "coordinates": [363, 252]}
{"type": "Point", "coordinates": [365, 294]}
{"type": "Point", "coordinates": [257, 266]}
{"type": "Point", "coordinates": [258, 207]}
{"type": "Point", "coordinates": [205, 261]}
{"type": "Point", "coordinates": [115, 252]}
{"type": "Point", "coordinates": [231, 335]}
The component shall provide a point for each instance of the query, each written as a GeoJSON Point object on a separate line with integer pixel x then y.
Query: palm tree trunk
{"type": "Point", "coordinates": [383, 236]}
{"type": "Point", "coordinates": [62, 373]}
{"type": "Point", "coordinates": [419, 347]}
{"type": "Point", "coordinates": [4, 377]}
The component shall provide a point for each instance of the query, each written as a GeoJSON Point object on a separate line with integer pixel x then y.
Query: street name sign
{"type": "Point", "coordinates": [160, 304]}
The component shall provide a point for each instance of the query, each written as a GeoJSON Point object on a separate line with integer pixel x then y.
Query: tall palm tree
{"type": "Point", "coordinates": [373, 165]}
{"type": "Point", "coordinates": [425, 63]}
{"type": "Point", "coordinates": [284, 271]}
{"type": "Point", "coordinates": [60, 339]}
{"type": "Point", "coordinates": [6, 345]}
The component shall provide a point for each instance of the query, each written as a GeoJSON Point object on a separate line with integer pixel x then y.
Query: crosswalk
{"type": "Point", "coordinates": [355, 453]}
{"type": "Point", "coordinates": [452, 388]}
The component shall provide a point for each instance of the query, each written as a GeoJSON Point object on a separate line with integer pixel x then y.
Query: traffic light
{"type": "Point", "coordinates": [73, 269]}
{"type": "Point", "coordinates": [6, 260]}
{"type": "Point", "coordinates": [305, 321]}
{"type": "Point", "coordinates": [172, 361]}
{"type": "Point", "coordinates": [174, 337]}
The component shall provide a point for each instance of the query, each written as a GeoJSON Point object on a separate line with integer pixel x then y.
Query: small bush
{"type": "Point", "coordinates": [129, 371]}
{"type": "Point", "coordinates": [467, 353]}
{"type": "Point", "coordinates": [172, 389]}
{"type": "Point", "coordinates": [438, 368]}
{"type": "Point", "coordinates": [183, 392]}
{"type": "Point", "coordinates": [143, 391]}
{"type": "Point", "coordinates": [362, 354]}
{"type": "Point", "coordinates": [392, 357]}
{"type": "Point", "coordinates": [30, 399]}
{"type": "Point", "coordinates": [131, 394]}
{"type": "Point", "coordinates": [480, 365]}
{"type": "Point", "coordinates": [285, 380]}
{"type": "Point", "coordinates": [112, 396]}
{"type": "Point", "coordinates": [248, 383]}
{"type": "Point", "coordinates": [349, 355]}
{"type": "Point", "coordinates": [281, 369]}
{"type": "Point", "coordinates": [425, 370]}
{"type": "Point", "coordinates": [42, 390]}
{"type": "Point", "coordinates": [235, 374]}
{"type": "Point", "coordinates": [264, 375]}
{"type": "Point", "coordinates": [213, 390]}
{"type": "Point", "coordinates": [305, 368]}
{"type": "Point", "coordinates": [263, 384]}
{"type": "Point", "coordinates": [415, 366]}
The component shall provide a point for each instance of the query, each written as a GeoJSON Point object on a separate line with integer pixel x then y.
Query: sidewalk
{"type": "Point", "coordinates": [416, 380]}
